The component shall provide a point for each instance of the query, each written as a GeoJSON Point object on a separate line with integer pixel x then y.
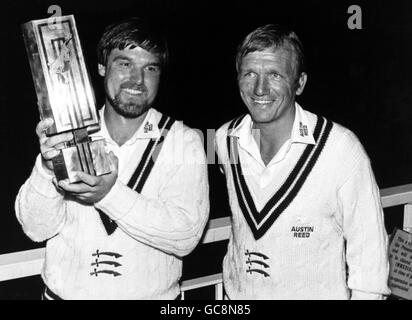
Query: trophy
{"type": "Point", "coordinates": [64, 93]}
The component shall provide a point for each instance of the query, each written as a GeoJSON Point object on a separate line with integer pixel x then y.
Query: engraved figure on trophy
{"type": "Point", "coordinates": [61, 64]}
{"type": "Point", "coordinates": [65, 94]}
{"type": "Point", "coordinates": [58, 70]}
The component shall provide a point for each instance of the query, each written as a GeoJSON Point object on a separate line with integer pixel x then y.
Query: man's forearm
{"type": "Point", "coordinates": [40, 208]}
{"type": "Point", "coordinates": [172, 223]}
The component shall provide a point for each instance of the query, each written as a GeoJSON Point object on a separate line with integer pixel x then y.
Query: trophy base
{"type": "Point", "coordinates": [89, 157]}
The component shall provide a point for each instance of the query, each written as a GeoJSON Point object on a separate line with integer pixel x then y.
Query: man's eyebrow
{"type": "Point", "coordinates": [121, 57]}
{"type": "Point", "coordinates": [248, 69]}
{"type": "Point", "coordinates": [149, 63]}
{"type": "Point", "coordinates": [153, 63]}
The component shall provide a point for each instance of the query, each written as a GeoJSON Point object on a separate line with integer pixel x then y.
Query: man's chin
{"type": "Point", "coordinates": [261, 116]}
{"type": "Point", "coordinates": [130, 110]}
{"type": "Point", "coordinates": [132, 114]}
{"type": "Point", "coordinates": [260, 120]}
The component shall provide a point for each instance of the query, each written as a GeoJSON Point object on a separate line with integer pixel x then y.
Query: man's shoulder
{"type": "Point", "coordinates": [338, 131]}
{"type": "Point", "coordinates": [177, 124]}
{"type": "Point", "coordinates": [223, 130]}
{"type": "Point", "coordinates": [341, 139]}
{"type": "Point", "coordinates": [344, 134]}
{"type": "Point", "coordinates": [345, 143]}
{"type": "Point", "coordinates": [183, 144]}
{"type": "Point", "coordinates": [189, 133]}
{"type": "Point", "coordinates": [181, 134]}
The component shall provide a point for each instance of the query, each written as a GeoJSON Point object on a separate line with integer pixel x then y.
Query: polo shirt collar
{"type": "Point", "coordinates": [148, 129]}
{"type": "Point", "coordinates": [301, 131]}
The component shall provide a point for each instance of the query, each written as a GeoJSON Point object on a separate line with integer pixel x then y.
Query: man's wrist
{"type": "Point", "coordinates": [41, 179]}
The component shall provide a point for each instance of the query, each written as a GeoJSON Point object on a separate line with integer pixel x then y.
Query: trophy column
{"type": "Point", "coordinates": [65, 94]}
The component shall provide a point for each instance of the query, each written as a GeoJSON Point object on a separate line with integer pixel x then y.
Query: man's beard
{"type": "Point", "coordinates": [128, 109]}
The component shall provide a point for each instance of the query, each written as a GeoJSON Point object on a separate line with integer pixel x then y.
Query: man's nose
{"type": "Point", "coordinates": [261, 86]}
{"type": "Point", "coordinates": [137, 75]}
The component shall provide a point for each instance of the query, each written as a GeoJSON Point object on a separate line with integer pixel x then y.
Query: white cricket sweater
{"type": "Point", "coordinates": [142, 258]}
{"type": "Point", "coordinates": [301, 253]}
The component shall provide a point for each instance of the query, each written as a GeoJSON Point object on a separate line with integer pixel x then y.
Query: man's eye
{"type": "Point", "coordinates": [249, 74]}
{"type": "Point", "coordinates": [124, 64]}
{"type": "Point", "coordinates": [152, 68]}
{"type": "Point", "coordinates": [275, 75]}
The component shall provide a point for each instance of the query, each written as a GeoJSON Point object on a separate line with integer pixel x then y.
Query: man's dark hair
{"type": "Point", "coordinates": [132, 33]}
{"type": "Point", "coordinates": [271, 36]}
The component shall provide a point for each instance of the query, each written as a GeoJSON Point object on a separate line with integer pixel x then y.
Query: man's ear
{"type": "Point", "coordinates": [101, 69]}
{"type": "Point", "coordinates": [301, 83]}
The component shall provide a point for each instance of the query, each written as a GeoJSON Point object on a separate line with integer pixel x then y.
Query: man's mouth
{"type": "Point", "coordinates": [132, 91]}
{"type": "Point", "coordinates": [259, 101]}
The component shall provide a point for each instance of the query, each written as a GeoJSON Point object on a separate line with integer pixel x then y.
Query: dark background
{"type": "Point", "coordinates": [359, 78]}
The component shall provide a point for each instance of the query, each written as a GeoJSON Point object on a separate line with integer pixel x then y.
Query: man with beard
{"type": "Point", "coordinates": [121, 235]}
{"type": "Point", "coordinates": [302, 192]}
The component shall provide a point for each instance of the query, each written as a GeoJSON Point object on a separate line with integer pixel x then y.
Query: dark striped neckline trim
{"type": "Point", "coordinates": [260, 222]}
{"type": "Point", "coordinates": [146, 163]}
{"type": "Point", "coordinates": [145, 166]}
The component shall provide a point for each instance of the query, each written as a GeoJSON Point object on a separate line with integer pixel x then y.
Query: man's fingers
{"type": "Point", "coordinates": [49, 154]}
{"type": "Point", "coordinates": [43, 125]}
{"type": "Point", "coordinates": [76, 188]}
{"type": "Point", "coordinates": [56, 184]}
{"type": "Point", "coordinates": [55, 141]}
{"type": "Point", "coordinates": [49, 145]}
{"type": "Point", "coordinates": [87, 178]}
{"type": "Point", "coordinates": [84, 197]}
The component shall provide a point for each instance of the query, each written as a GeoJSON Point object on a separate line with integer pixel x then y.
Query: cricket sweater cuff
{"type": "Point", "coordinates": [41, 180]}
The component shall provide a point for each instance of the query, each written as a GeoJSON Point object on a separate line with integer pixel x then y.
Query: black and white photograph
{"type": "Point", "coordinates": [206, 151]}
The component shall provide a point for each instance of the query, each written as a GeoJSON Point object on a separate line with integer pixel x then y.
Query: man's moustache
{"type": "Point", "coordinates": [133, 86]}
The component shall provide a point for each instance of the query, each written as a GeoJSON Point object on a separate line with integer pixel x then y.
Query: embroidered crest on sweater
{"type": "Point", "coordinates": [260, 222]}
{"type": "Point", "coordinates": [102, 266]}
{"type": "Point", "coordinates": [148, 127]}
{"type": "Point", "coordinates": [303, 129]}
{"type": "Point", "coordinates": [256, 263]}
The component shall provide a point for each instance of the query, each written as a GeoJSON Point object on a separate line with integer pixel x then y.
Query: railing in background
{"type": "Point", "coordinates": [28, 263]}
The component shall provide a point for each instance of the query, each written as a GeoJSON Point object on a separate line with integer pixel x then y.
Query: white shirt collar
{"type": "Point", "coordinates": [302, 132]}
{"type": "Point", "coordinates": [148, 130]}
